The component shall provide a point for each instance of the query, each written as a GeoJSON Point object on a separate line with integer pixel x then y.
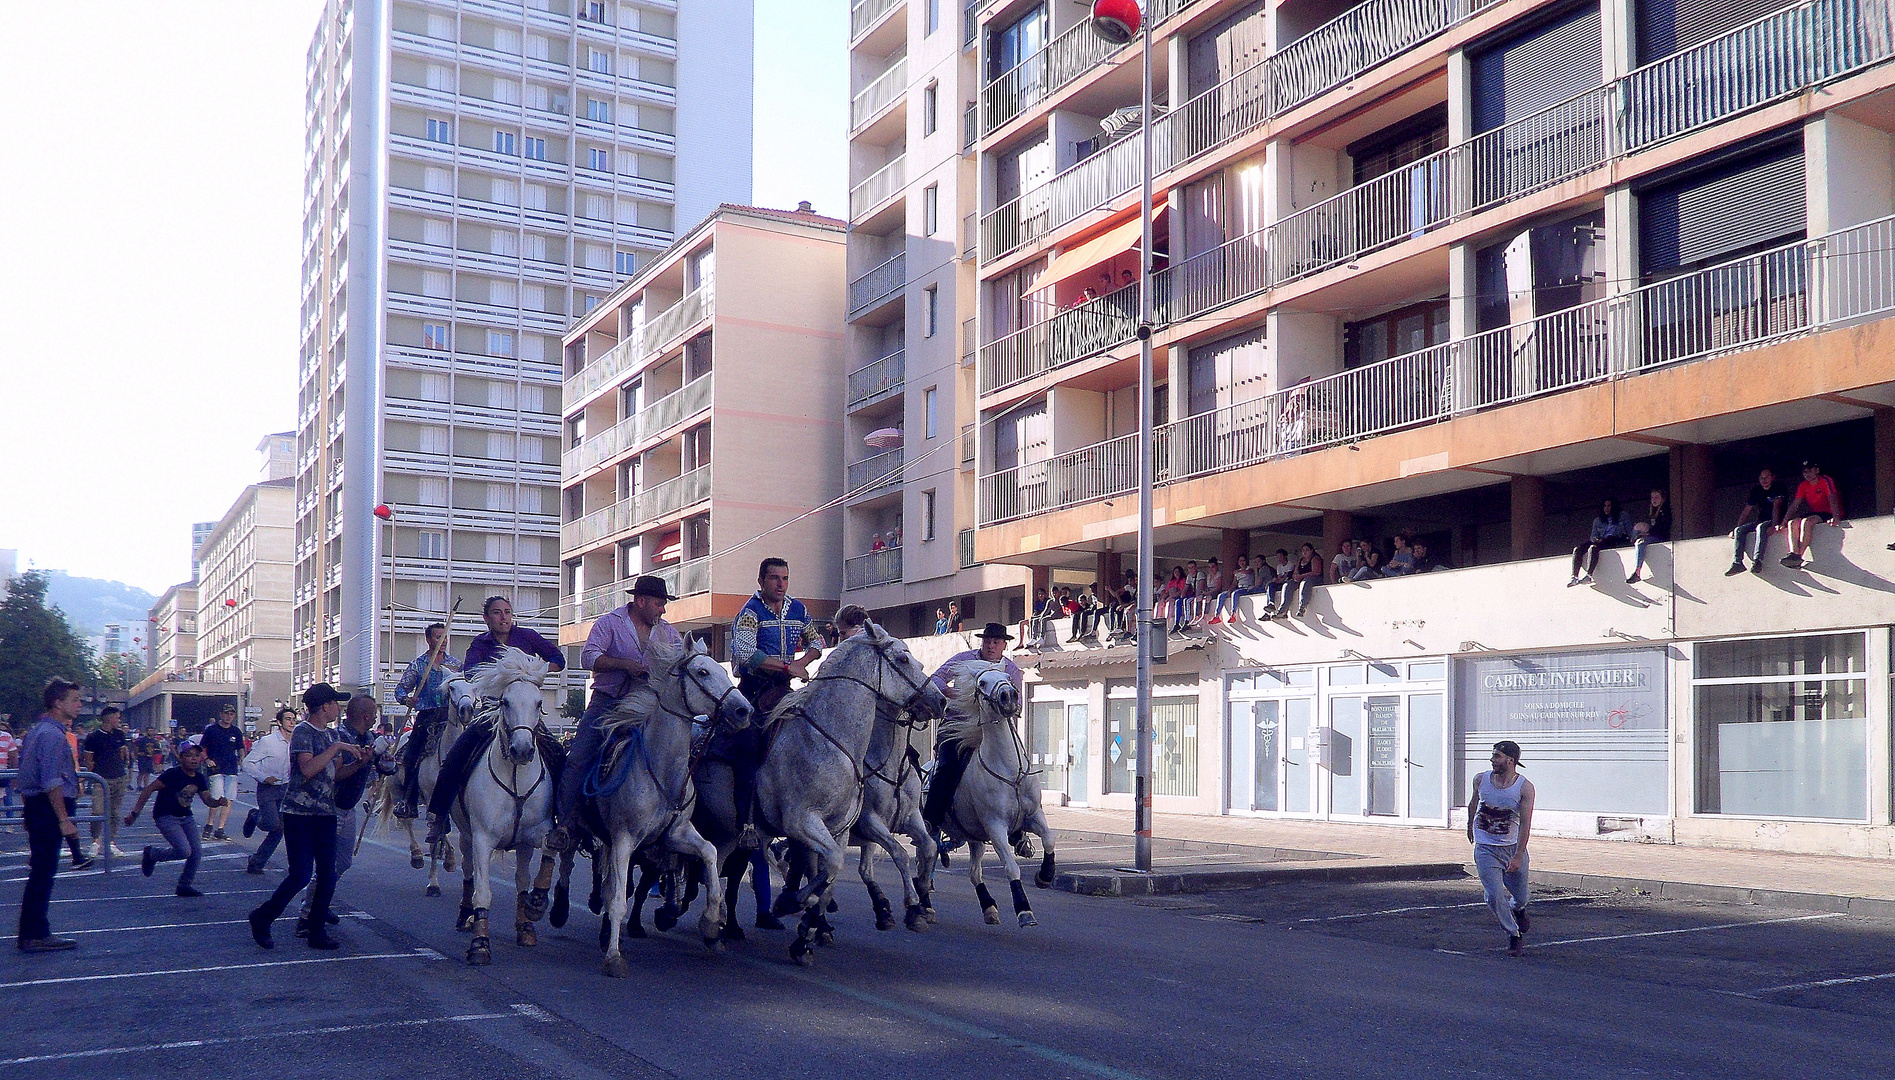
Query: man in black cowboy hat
{"type": "Point", "coordinates": [950, 757]}
{"type": "Point", "coordinates": [615, 654]}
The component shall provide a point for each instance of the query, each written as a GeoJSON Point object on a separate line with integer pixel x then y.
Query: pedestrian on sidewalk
{"type": "Point", "coordinates": [9, 747]}
{"type": "Point", "coordinates": [48, 783]}
{"type": "Point", "coordinates": [358, 729]}
{"type": "Point", "coordinates": [107, 750]}
{"type": "Point", "coordinates": [268, 763]}
{"type": "Point", "coordinates": [223, 745]}
{"type": "Point", "coordinates": [309, 816]}
{"type": "Point", "coordinates": [1499, 820]}
{"type": "Point", "coordinates": [176, 788]}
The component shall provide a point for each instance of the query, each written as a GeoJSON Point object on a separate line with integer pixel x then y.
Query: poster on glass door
{"type": "Point", "coordinates": [1604, 690]}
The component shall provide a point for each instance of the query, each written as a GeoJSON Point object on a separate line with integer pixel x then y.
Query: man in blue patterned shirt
{"type": "Point", "coordinates": [421, 690]}
{"type": "Point", "coordinates": [772, 641]}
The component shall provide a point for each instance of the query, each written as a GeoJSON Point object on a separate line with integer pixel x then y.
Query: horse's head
{"type": "Point", "coordinates": [708, 689]}
{"type": "Point", "coordinates": [904, 682]}
{"type": "Point", "coordinates": [1000, 699]}
{"type": "Point", "coordinates": [461, 699]}
{"type": "Point", "coordinates": [513, 682]}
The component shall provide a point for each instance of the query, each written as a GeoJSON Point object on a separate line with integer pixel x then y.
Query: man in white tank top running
{"type": "Point", "coordinates": [1499, 819]}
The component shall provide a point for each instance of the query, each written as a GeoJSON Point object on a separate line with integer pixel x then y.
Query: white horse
{"type": "Point", "coordinates": [998, 794]}
{"type": "Point", "coordinates": [651, 806]}
{"type": "Point", "coordinates": [459, 702]}
{"type": "Point", "coordinates": [891, 803]}
{"type": "Point", "coordinates": [507, 803]}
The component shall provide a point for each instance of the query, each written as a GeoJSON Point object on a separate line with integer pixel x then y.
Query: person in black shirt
{"type": "Point", "coordinates": [107, 751]}
{"type": "Point", "coordinates": [1763, 515]}
{"type": "Point", "coordinates": [176, 787]}
{"type": "Point", "coordinates": [223, 746]}
{"type": "Point", "coordinates": [357, 729]}
{"type": "Point", "coordinates": [1654, 528]}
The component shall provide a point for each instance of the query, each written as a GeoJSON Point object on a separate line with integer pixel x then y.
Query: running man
{"type": "Point", "coordinates": [176, 788]}
{"type": "Point", "coordinates": [1499, 821]}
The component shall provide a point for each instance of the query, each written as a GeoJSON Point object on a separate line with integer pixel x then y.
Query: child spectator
{"type": "Point", "coordinates": [1344, 563]}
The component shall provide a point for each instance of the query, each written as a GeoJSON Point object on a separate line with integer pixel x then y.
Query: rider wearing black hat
{"type": "Point", "coordinates": [950, 757]}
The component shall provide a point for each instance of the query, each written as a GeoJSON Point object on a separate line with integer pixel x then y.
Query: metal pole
{"type": "Point", "coordinates": [1147, 626]}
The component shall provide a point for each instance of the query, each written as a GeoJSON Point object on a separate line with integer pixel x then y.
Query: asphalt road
{"type": "Point", "coordinates": [1370, 980]}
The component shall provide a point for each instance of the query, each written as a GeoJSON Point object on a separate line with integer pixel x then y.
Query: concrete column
{"type": "Point", "coordinates": [1110, 573]}
{"type": "Point", "coordinates": [1529, 517]}
{"type": "Point", "coordinates": [1233, 542]}
{"type": "Point", "coordinates": [1693, 482]}
{"type": "Point", "coordinates": [1884, 461]}
{"type": "Point", "coordinates": [1042, 579]}
{"type": "Point", "coordinates": [1338, 525]}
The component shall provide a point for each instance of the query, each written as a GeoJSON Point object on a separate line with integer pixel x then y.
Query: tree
{"type": "Point", "coordinates": [36, 645]}
{"type": "Point", "coordinates": [118, 671]}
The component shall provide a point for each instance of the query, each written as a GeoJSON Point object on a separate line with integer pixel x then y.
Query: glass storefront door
{"type": "Point", "coordinates": [1269, 763]}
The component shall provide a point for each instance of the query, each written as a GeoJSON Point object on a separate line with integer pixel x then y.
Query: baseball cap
{"type": "Point", "coordinates": [321, 694]}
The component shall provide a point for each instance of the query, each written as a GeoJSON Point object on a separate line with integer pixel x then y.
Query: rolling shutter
{"type": "Point", "coordinates": [1666, 27]}
{"type": "Point", "coordinates": [1526, 74]}
{"type": "Point", "coordinates": [1743, 205]}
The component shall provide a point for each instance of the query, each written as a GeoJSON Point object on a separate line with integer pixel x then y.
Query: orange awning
{"type": "Point", "coordinates": [1107, 245]}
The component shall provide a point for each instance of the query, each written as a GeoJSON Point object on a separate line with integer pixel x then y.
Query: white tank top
{"type": "Point", "coordinates": [1497, 814]}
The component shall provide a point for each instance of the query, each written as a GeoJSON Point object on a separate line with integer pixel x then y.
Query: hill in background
{"type": "Point", "coordinates": [90, 603]}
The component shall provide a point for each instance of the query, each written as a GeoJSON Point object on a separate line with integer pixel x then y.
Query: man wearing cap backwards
{"type": "Point", "coordinates": [950, 757]}
{"type": "Point", "coordinates": [764, 641]}
{"type": "Point", "coordinates": [318, 758]}
{"type": "Point", "coordinates": [1499, 820]}
{"type": "Point", "coordinates": [615, 654]}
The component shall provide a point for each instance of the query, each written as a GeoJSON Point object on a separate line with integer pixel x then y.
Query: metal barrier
{"type": "Point", "coordinates": [14, 812]}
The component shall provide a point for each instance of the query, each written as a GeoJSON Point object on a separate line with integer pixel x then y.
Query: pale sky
{"type": "Point", "coordinates": [150, 208]}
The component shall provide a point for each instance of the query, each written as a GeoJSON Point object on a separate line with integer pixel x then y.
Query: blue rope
{"type": "Point", "coordinates": [603, 787]}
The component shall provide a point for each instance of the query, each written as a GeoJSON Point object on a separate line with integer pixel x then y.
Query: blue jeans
{"type": "Point", "coordinates": [1504, 890]}
{"type": "Point", "coordinates": [587, 741]}
{"type": "Point", "coordinates": [270, 819]}
{"type": "Point", "coordinates": [311, 839]}
{"type": "Point", "coordinates": [182, 834]}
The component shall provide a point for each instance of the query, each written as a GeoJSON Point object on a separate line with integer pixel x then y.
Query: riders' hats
{"type": "Point", "coordinates": [995, 630]}
{"type": "Point", "coordinates": [321, 694]}
{"type": "Point", "coordinates": [651, 585]}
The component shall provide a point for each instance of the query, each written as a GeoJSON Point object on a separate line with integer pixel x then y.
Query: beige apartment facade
{"type": "Point", "coordinates": [247, 583]}
{"type": "Point", "coordinates": [702, 431]}
{"type": "Point", "coordinates": [178, 691]}
{"type": "Point", "coordinates": [1460, 271]}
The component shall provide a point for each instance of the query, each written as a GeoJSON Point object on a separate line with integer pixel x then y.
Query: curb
{"type": "Point", "coordinates": [1725, 894]}
{"type": "Point", "coordinates": [1108, 883]}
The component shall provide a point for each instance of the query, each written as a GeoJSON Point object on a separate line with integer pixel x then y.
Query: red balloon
{"type": "Point", "coordinates": [384, 512]}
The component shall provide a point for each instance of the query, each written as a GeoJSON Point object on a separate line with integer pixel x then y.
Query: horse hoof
{"type": "Point", "coordinates": [562, 906]}
{"type": "Point", "coordinates": [1026, 919]}
{"type": "Point", "coordinates": [929, 912]}
{"type": "Point", "coordinates": [416, 861]}
{"type": "Point", "coordinates": [664, 918]}
{"type": "Point", "coordinates": [536, 903]}
{"type": "Point", "coordinates": [1042, 882]}
{"type": "Point", "coordinates": [785, 905]}
{"type": "Point", "coordinates": [525, 936]}
{"type": "Point", "coordinates": [616, 968]}
{"type": "Point", "coordinates": [802, 953]}
{"type": "Point", "coordinates": [432, 890]}
{"type": "Point", "coordinates": [992, 915]}
{"type": "Point", "coordinates": [479, 957]}
{"type": "Point", "coordinates": [825, 937]}
{"type": "Point", "coordinates": [714, 943]}
{"type": "Point", "coordinates": [831, 909]}
{"type": "Point", "coordinates": [595, 903]}
{"type": "Point", "coordinates": [884, 922]}
{"type": "Point", "coordinates": [731, 932]}
{"type": "Point", "coordinates": [917, 919]}
{"type": "Point", "coordinates": [636, 930]}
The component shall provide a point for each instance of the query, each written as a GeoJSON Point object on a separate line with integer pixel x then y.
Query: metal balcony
{"type": "Point", "coordinates": [875, 568]}
{"type": "Point", "coordinates": [878, 284]}
{"type": "Point", "coordinates": [874, 379]}
{"type": "Point", "coordinates": [878, 188]}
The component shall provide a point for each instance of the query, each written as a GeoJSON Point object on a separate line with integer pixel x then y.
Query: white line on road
{"type": "Point", "coordinates": [1686, 930]}
{"type": "Point", "coordinates": [523, 1012]}
{"type": "Point", "coordinates": [160, 926]}
{"type": "Point", "coordinates": [130, 860]}
{"type": "Point", "coordinates": [1441, 907]}
{"type": "Point", "coordinates": [1820, 983]}
{"type": "Point", "coordinates": [415, 955]}
{"type": "Point", "coordinates": [145, 896]}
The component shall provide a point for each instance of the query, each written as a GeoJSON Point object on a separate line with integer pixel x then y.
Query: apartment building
{"type": "Point", "coordinates": [177, 691]}
{"type": "Point", "coordinates": [732, 338]}
{"type": "Point", "coordinates": [243, 634]}
{"type": "Point", "coordinates": [909, 523]}
{"type": "Point", "coordinates": [1460, 269]}
{"type": "Point", "coordinates": [477, 174]}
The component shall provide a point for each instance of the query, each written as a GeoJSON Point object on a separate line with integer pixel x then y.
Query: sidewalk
{"type": "Point", "coordinates": [1807, 881]}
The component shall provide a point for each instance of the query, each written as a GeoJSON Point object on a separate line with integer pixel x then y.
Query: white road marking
{"type": "Point", "coordinates": [128, 862]}
{"type": "Point", "coordinates": [415, 955]}
{"type": "Point", "coordinates": [1443, 907]}
{"type": "Point", "coordinates": [1686, 930]}
{"type": "Point", "coordinates": [524, 1012]}
{"type": "Point", "coordinates": [1846, 981]}
{"type": "Point", "coordinates": [146, 896]}
{"type": "Point", "coordinates": [160, 926]}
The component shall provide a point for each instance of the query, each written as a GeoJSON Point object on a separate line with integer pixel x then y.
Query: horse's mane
{"type": "Point", "coordinates": [962, 722]}
{"type": "Point", "coordinates": [663, 655]}
{"type": "Point", "coordinates": [511, 666]}
{"type": "Point", "coordinates": [636, 707]}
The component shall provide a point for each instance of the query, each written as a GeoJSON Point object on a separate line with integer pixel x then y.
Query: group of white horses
{"type": "Point", "coordinates": [838, 772]}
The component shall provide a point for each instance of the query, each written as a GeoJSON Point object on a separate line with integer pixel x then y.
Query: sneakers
{"type": "Point", "coordinates": [250, 824]}
{"type": "Point", "coordinates": [1792, 560]}
{"type": "Point", "coordinates": [1633, 580]}
{"type": "Point", "coordinates": [324, 942]}
{"type": "Point", "coordinates": [48, 944]}
{"type": "Point", "coordinates": [767, 921]}
{"type": "Point", "coordinates": [252, 868]}
{"type": "Point", "coordinates": [1514, 948]}
{"type": "Point", "coordinates": [82, 862]}
{"type": "Point", "coordinates": [1736, 568]}
{"type": "Point", "coordinates": [220, 835]}
{"type": "Point", "coordinates": [1756, 567]}
{"type": "Point", "coordinates": [116, 853]}
{"type": "Point", "coordinates": [1573, 581]}
{"type": "Point", "coordinates": [1521, 918]}
{"type": "Point", "coordinates": [186, 890]}
{"type": "Point", "coordinates": [149, 860]}
{"type": "Point", "coordinates": [302, 926]}
{"type": "Point", "coordinates": [207, 833]}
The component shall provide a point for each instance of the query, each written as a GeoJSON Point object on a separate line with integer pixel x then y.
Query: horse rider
{"type": "Point", "coordinates": [615, 654]}
{"type": "Point", "coordinates": [501, 634]}
{"type": "Point", "coordinates": [764, 644]}
{"type": "Point", "coordinates": [950, 756]}
{"type": "Point", "coordinates": [421, 689]}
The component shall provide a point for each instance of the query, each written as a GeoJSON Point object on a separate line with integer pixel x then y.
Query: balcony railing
{"type": "Point", "coordinates": [970, 127]}
{"type": "Point", "coordinates": [875, 568]}
{"type": "Point", "coordinates": [668, 411]}
{"type": "Point", "coordinates": [964, 540]}
{"type": "Point", "coordinates": [658, 332]}
{"type": "Point", "coordinates": [683, 579]}
{"type": "Point", "coordinates": [1706, 84]}
{"type": "Point", "coordinates": [875, 378]}
{"type": "Point", "coordinates": [1046, 72]}
{"type": "Point", "coordinates": [690, 578]}
{"type": "Point", "coordinates": [863, 16]}
{"type": "Point", "coordinates": [869, 289]}
{"type": "Point", "coordinates": [1836, 280]}
{"type": "Point", "coordinates": [880, 186]}
{"type": "Point", "coordinates": [881, 92]}
{"type": "Point", "coordinates": [645, 507]}
{"type": "Point", "coordinates": [872, 473]}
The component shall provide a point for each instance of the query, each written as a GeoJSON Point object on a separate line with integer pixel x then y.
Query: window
{"type": "Point", "coordinates": [441, 131]}
{"type": "Point", "coordinates": [598, 61]}
{"type": "Point", "coordinates": [927, 515]}
{"type": "Point", "coordinates": [930, 209]}
{"type": "Point", "coordinates": [499, 343]}
{"type": "Point", "coordinates": [627, 263]}
{"type": "Point", "coordinates": [591, 302]}
{"type": "Point", "coordinates": [434, 336]}
{"type": "Point", "coordinates": [934, 17]}
{"type": "Point", "coordinates": [1782, 727]}
{"type": "Point", "coordinates": [928, 399]}
{"type": "Point", "coordinates": [595, 11]}
{"type": "Point", "coordinates": [536, 148]}
{"type": "Point", "coordinates": [430, 544]}
{"type": "Point", "coordinates": [599, 159]}
{"type": "Point", "coordinates": [599, 110]}
{"type": "Point", "coordinates": [930, 310]}
{"type": "Point", "coordinates": [930, 97]}
{"type": "Point", "coordinates": [504, 142]}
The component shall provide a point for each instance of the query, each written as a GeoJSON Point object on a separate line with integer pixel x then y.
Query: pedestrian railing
{"type": "Point", "coordinates": [1831, 281]}
{"type": "Point", "coordinates": [13, 811]}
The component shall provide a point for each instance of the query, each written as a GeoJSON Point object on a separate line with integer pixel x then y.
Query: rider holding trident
{"type": "Point", "coordinates": [615, 654]}
{"type": "Point", "coordinates": [950, 757]}
{"type": "Point", "coordinates": [764, 641]}
{"type": "Point", "coordinates": [420, 689]}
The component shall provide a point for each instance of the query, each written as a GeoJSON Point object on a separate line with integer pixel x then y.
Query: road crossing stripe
{"type": "Point", "coordinates": [414, 955]}
{"type": "Point", "coordinates": [1844, 981]}
{"type": "Point", "coordinates": [1686, 930]}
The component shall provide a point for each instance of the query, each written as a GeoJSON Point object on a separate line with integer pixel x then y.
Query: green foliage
{"type": "Point", "coordinates": [575, 704]}
{"type": "Point", "coordinates": [36, 645]}
{"type": "Point", "coordinates": [118, 671]}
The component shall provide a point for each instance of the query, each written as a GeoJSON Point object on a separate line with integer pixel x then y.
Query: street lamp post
{"type": "Point", "coordinates": [1117, 21]}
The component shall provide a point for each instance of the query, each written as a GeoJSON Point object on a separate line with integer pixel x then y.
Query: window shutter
{"type": "Point", "coordinates": [1713, 215]}
{"type": "Point", "coordinates": [1538, 70]}
{"type": "Point", "coordinates": [1666, 27]}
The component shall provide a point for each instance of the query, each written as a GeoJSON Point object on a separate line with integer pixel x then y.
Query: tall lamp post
{"type": "Point", "coordinates": [1118, 21]}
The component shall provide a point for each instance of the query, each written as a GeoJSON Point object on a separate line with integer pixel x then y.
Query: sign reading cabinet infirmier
{"type": "Point", "coordinates": [1606, 690]}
